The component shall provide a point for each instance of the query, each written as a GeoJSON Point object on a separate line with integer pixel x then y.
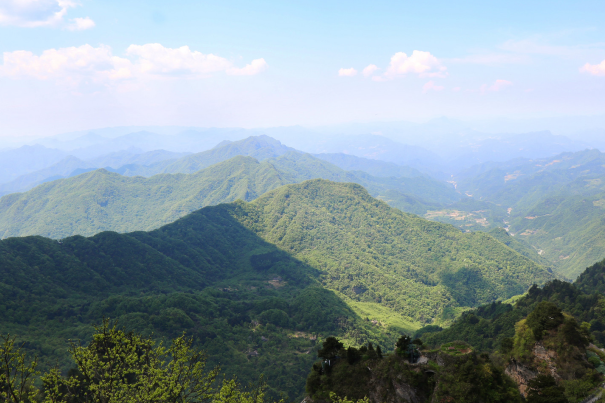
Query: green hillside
{"type": "Point", "coordinates": [555, 205]}
{"type": "Point", "coordinates": [567, 229]}
{"type": "Point", "coordinates": [255, 282]}
{"type": "Point", "coordinates": [102, 201]}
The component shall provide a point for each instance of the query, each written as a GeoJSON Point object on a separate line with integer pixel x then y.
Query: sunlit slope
{"type": "Point", "coordinates": [102, 201]}
{"type": "Point", "coordinates": [372, 252]}
{"type": "Point", "coordinates": [567, 228]}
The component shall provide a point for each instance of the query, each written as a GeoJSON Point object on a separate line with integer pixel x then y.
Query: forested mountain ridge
{"type": "Point", "coordinates": [99, 201]}
{"type": "Point", "coordinates": [437, 260]}
{"type": "Point", "coordinates": [301, 259]}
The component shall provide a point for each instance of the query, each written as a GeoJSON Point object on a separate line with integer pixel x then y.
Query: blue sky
{"type": "Point", "coordinates": [76, 65]}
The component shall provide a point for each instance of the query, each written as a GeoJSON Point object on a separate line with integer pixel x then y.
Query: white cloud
{"type": "Point", "coordinates": [98, 65]}
{"type": "Point", "coordinates": [157, 59]}
{"type": "Point", "coordinates": [594, 69]}
{"type": "Point", "coordinates": [496, 86]}
{"type": "Point", "coordinates": [255, 67]}
{"type": "Point", "coordinates": [80, 24]}
{"type": "Point", "coordinates": [430, 86]}
{"type": "Point", "coordinates": [67, 64]}
{"type": "Point", "coordinates": [456, 89]}
{"type": "Point", "coordinates": [347, 72]}
{"type": "Point", "coordinates": [368, 71]}
{"type": "Point", "coordinates": [422, 63]}
{"type": "Point", "coordinates": [35, 13]}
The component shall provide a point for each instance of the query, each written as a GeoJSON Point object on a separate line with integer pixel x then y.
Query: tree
{"type": "Point", "coordinates": [506, 345]}
{"type": "Point", "coordinates": [544, 389]}
{"type": "Point", "coordinates": [16, 373]}
{"type": "Point", "coordinates": [125, 367]}
{"type": "Point", "coordinates": [353, 355]}
{"type": "Point", "coordinates": [545, 316]}
{"type": "Point", "coordinates": [402, 345]}
{"type": "Point", "coordinates": [331, 347]}
{"type": "Point", "coordinates": [378, 352]}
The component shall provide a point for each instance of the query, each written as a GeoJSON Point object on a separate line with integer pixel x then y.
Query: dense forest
{"type": "Point", "coordinates": [546, 347]}
{"type": "Point", "coordinates": [258, 284]}
{"type": "Point", "coordinates": [102, 200]}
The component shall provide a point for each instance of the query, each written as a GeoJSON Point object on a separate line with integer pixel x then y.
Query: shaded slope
{"type": "Point", "coordinates": [205, 274]}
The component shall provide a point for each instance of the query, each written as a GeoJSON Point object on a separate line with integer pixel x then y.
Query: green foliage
{"type": "Point", "coordinates": [125, 367]}
{"type": "Point", "coordinates": [118, 366]}
{"type": "Point", "coordinates": [330, 349]}
{"type": "Point", "coordinates": [545, 316]}
{"type": "Point", "coordinates": [474, 379]}
{"type": "Point", "coordinates": [544, 389]}
{"type": "Point", "coordinates": [254, 283]}
{"type": "Point", "coordinates": [498, 321]}
{"type": "Point", "coordinates": [402, 345]}
{"type": "Point", "coordinates": [16, 373]}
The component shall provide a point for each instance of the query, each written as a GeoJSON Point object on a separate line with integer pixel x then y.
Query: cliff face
{"type": "Point", "coordinates": [522, 373]}
{"type": "Point", "coordinates": [450, 374]}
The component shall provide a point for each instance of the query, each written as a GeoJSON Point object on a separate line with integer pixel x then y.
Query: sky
{"type": "Point", "coordinates": [74, 65]}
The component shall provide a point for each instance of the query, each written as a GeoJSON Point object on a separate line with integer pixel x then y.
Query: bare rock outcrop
{"type": "Point", "coordinates": [521, 374]}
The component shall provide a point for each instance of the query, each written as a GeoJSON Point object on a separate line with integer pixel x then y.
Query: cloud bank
{"type": "Point", "coordinates": [99, 65]}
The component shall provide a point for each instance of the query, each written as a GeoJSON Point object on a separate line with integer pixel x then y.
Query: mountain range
{"type": "Point", "coordinates": [100, 200]}
{"type": "Point", "coordinates": [302, 259]}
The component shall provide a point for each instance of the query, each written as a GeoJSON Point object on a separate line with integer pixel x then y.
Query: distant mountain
{"type": "Point", "coordinates": [127, 157]}
{"type": "Point", "coordinates": [59, 170]}
{"type": "Point", "coordinates": [26, 159]}
{"type": "Point", "coordinates": [264, 147]}
{"type": "Point", "coordinates": [259, 147]}
{"type": "Point", "coordinates": [72, 166]}
{"type": "Point", "coordinates": [523, 182]}
{"type": "Point", "coordinates": [381, 148]}
{"type": "Point", "coordinates": [98, 201]}
{"type": "Point", "coordinates": [96, 143]}
{"type": "Point", "coordinates": [371, 166]}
